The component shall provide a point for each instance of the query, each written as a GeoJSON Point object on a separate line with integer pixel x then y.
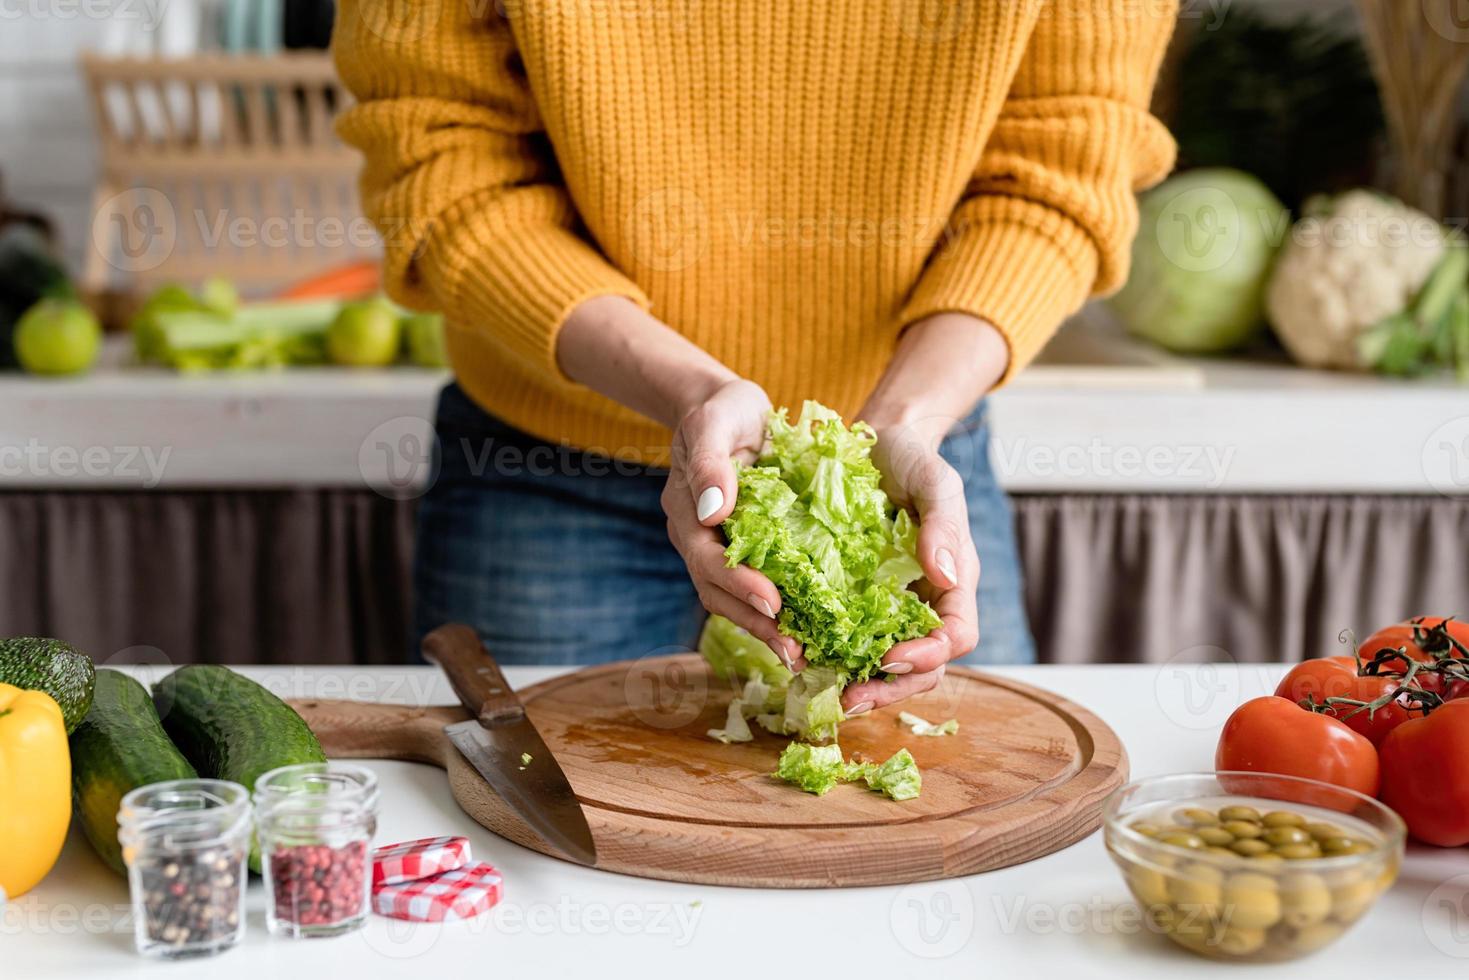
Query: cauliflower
{"type": "Point", "coordinates": [1352, 263]}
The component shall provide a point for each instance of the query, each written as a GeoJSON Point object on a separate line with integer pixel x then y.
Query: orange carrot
{"type": "Point", "coordinates": [343, 282]}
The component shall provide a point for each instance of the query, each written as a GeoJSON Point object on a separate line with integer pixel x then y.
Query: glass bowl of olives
{"type": "Point", "coordinates": [1251, 866]}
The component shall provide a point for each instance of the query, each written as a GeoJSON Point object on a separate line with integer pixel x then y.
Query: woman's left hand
{"type": "Point", "coordinates": [917, 477]}
{"type": "Point", "coordinates": [942, 366]}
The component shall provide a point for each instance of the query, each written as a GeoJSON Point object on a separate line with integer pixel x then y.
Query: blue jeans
{"type": "Point", "coordinates": [557, 556]}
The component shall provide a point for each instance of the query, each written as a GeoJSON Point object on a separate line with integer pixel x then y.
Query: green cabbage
{"type": "Point", "coordinates": [812, 517]}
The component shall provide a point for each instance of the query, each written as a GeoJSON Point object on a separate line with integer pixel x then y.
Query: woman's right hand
{"type": "Point", "coordinates": [700, 493]}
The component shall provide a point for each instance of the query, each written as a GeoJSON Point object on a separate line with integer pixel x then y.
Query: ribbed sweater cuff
{"type": "Point", "coordinates": [1022, 266]}
{"type": "Point", "coordinates": [521, 290]}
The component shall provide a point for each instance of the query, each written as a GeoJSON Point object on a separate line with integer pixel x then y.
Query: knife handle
{"type": "Point", "coordinates": [473, 674]}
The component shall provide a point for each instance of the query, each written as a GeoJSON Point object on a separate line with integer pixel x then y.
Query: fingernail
{"type": "Point", "coordinates": [760, 604]}
{"type": "Point", "coordinates": [897, 667]}
{"type": "Point", "coordinates": [860, 708]}
{"type": "Point", "coordinates": [709, 502]}
{"type": "Point", "coordinates": [942, 558]}
{"type": "Point", "coordinates": [780, 651]}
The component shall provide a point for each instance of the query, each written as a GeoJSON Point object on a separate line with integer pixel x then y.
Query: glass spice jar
{"type": "Point", "coordinates": [185, 843]}
{"type": "Point", "coordinates": [314, 823]}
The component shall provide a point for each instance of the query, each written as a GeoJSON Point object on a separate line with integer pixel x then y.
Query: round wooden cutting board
{"type": "Point", "coordinates": [1025, 775]}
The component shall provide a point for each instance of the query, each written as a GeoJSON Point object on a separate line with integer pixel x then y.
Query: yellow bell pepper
{"type": "Point", "coordinates": [35, 787]}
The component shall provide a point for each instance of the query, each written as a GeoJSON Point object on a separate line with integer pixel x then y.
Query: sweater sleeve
{"type": "Point", "coordinates": [1049, 213]}
{"type": "Point", "coordinates": [459, 176]}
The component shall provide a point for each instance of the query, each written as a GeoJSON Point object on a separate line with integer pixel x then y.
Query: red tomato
{"type": "Point", "coordinates": [1336, 677]}
{"type": "Point", "coordinates": [1425, 775]}
{"type": "Point", "coordinates": [1423, 637]}
{"type": "Point", "coordinates": [1271, 734]}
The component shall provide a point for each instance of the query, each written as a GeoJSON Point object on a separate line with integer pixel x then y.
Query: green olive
{"type": "Point", "coordinates": [1312, 937]}
{"type": "Point", "coordinates": [1244, 829]}
{"type": "Point", "coordinates": [1223, 852]}
{"type": "Point", "coordinates": [1350, 900]}
{"type": "Point", "coordinates": [1250, 901]}
{"type": "Point", "coordinates": [1145, 828]}
{"type": "Point", "coordinates": [1337, 845]}
{"type": "Point", "coordinates": [1246, 813]}
{"type": "Point", "coordinates": [1269, 857]}
{"type": "Point", "coordinates": [1196, 816]}
{"type": "Point", "coordinates": [1280, 836]}
{"type": "Point", "coordinates": [1149, 887]}
{"type": "Point", "coordinates": [1322, 831]}
{"type": "Point", "coordinates": [1217, 836]}
{"type": "Point", "coordinates": [1304, 900]}
{"type": "Point", "coordinates": [1283, 818]}
{"type": "Point", "coordinates": [1240, 941]}
{"type": "Point", "coordinates": [1196, 890]}
{"type": "Point", "coordinates": [1299, 852]}
{"type": "Point", "coordinates": [1249, 848]}
{"type": "Point", "coordinates": [1181, 838]}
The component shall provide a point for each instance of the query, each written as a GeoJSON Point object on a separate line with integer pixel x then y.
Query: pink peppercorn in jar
{"type": "Point", "coordinates": [314, 823]}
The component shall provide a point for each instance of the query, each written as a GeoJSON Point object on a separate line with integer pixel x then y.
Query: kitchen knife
{"type": "Point", "coordinates": [504, 747]}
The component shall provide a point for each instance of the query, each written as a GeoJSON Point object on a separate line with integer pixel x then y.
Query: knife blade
{"type": "Point", "coordinates": [504, 747]}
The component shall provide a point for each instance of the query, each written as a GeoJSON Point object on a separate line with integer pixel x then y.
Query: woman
{"type": "Point", "coordinates": [649, 221]}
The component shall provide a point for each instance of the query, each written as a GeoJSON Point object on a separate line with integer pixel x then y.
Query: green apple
{"type": "Point", "coordinates": [58, 336]}
{"type": "Point", "coordinates": [426, 340]}
{"type": "Point", "coordinates": [365, 334]}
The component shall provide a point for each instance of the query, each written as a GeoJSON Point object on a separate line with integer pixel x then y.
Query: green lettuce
{"type": "Point", "coordinates": [812, 517]}
{"type": "Point", "coordinates": [922, 726]}
{"type": "Point", "coordinates": [898, 778]}
{"type": "Point", "coordinates": [735, 655]}
{"type": "Point", "coordinates": [817, 768]}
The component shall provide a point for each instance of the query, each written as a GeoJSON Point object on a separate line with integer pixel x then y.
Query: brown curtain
{"type": "Point", "coordinates": [303, 576]}
{"type": "Point", "coordinates": [1265, 578]}
{"type": "Point", "coordinates": [322, 576]}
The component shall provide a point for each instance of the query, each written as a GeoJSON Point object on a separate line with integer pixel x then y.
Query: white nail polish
{"type": "Point", "coordinates": [760, 604]}
{"type": "Point", "coordinates": [861, 708]}
{"type": "Point", "coordinates": [780, 651]}
{"type": "Point", "coordinates": [899, 667]}
{"type": "Point", "coordinates": [709, 502]}
{"type": "Point", "coordinates": [945, 562]}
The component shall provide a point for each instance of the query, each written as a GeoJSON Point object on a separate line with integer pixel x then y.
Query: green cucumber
{"type": "Point", "coordinates": [37, 663]}
{"type": "Point", "coordinates": [230, 727]}
{"type": "Point", "coordinates": [118, 747]}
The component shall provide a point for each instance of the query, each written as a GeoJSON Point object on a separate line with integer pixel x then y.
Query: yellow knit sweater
{"type": "Point", "coordinates": [788, 183]}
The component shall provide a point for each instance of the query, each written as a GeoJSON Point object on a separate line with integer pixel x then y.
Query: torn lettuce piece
{"type": "Point", "coordinates": [812, 517]}
{"type": "Point", "coordinates": [898, 778]}
{"type": "Point", "coordinates": [814, 768]}
{"type": "Point", "coordinates": [919, 726]}
{"type": "Point", "coordinates": [735, 729]}
{"type": "Point", "coordinates": [734, 655]}
{"type": "Point", "coordinates": [813, 704]}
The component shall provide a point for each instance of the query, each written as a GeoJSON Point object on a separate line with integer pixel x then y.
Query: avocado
{"type": "Point", "coordinates": [37, 663]}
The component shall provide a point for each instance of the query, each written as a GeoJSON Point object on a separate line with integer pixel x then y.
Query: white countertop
{"type": "Point", "coordinates": [1097, 412]}
{"type": "Point", "coordinates": [1059, 916]}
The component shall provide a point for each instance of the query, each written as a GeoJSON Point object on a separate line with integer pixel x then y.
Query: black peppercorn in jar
{"type": "Point", "coordinates": [185, 843]}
